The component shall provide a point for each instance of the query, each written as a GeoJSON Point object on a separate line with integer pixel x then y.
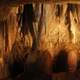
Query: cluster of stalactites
{"type": "Point", "coordinates": [52, 24]}
{"type": "Point", "coordinates": [62, 24]}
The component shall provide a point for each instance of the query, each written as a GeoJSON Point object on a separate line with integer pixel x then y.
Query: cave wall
{"type": "Point", "coordinates": [59, 25]}
{"type": "Point", "coordinates": [57, 31]}
{"type": "Point", "coordinates": [8, 29]}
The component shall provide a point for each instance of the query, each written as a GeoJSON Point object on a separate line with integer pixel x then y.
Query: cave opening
{"type": "Point", "coordinates": [60, 64]}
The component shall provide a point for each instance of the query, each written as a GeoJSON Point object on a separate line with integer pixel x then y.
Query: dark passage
{"type": "Point", "coordinates": [60, 64]}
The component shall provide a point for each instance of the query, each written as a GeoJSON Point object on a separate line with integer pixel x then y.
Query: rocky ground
{"type": "Point", "coordinates": [6, 75]}
{"type": "Point", "coordinates": [25, 64]}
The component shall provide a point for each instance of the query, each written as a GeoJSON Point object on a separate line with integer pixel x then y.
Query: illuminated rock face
{"type": "Point", "coordinates": [57, 33]}
{"type": "Point", "coordinates": [4, 12]}
{"type": "Point", "coordinates": [54, 30]}
{"type": "Point", "coordinates": [8, 28]}
{"type": "Point", "coordinates": [12, 27]}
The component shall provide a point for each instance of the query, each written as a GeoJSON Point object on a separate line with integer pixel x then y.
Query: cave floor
{"type": "Point", "coordinates": [5, 75]}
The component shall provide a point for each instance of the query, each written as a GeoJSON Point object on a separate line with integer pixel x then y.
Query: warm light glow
{"type": "Point", "coordinates": [1, 60]}
{"type": "Point", "coordinates": [73, 28]}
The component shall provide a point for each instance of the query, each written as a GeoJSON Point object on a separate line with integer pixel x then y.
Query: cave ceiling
{"type": "Point", "coordinates": [17, 2]}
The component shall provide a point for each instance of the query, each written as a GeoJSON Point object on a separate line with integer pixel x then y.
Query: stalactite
{"type": "Point", "coordinates": [6, 37]}
{"type": "Point", "coordinates": [40, 27]}
{"type": "Point", "coordinates": [78, 12]}
{"type": "Point", "coordinates": [68, 21]}
{"type": "Point", "coordinates": [37, 13]}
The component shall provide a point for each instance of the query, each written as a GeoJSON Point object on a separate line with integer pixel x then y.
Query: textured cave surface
{"type": "Point", "coordinates": [56, 37]}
